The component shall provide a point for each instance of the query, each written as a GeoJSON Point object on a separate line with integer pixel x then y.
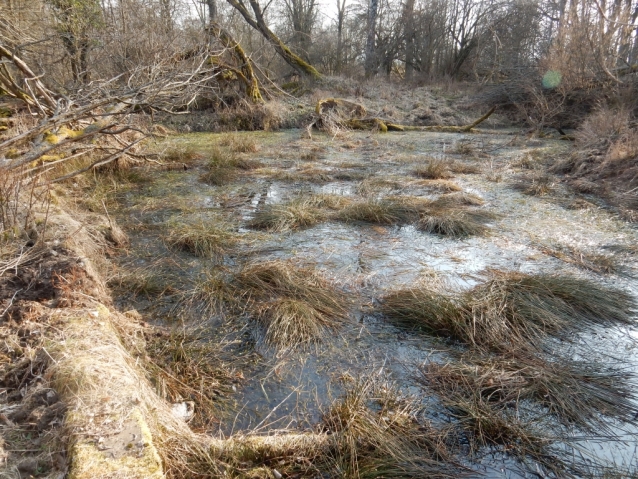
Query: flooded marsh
{"type": "Point", "coordinates": [432, 299]}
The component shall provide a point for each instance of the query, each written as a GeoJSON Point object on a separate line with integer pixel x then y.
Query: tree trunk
{"type": "Point", "coordinates": [409, 39]}
{"type": "Point", "coordinates": [259, 24]}
{"type": "Point", "coordinates": [341, 18]}
{"type": "Point", "coordinates": [247, 73]}
{"type": "Point", "coordinates": [371, 60]}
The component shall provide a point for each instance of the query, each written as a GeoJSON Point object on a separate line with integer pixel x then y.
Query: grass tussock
{"type": "Point", "coordinates": [455, 223]}
{"type": "Point", "coordinates": [302, 212]}
{"type": "Point", "coordinates": [378, 433]}
{"type": "Point", "coordinates": [510, 309]}
{"type": "Point", "coordinates": [224, 166]}
{"type": "Point", "coordinates": [386, 211]}
{"type": "Point", "coordinates": [295, 305]}
{"type": "Point", "coordinates": [211, 239]}
{"type": "Point", "coordinates": [575, 392]}
{"type": "Point", "coordinates": [434, 170]}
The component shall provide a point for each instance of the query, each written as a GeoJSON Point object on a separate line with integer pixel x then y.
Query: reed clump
{"type": "Point", "coordinates": [510, 309]}
{"type": "Point", "coordinates": [211, 239]}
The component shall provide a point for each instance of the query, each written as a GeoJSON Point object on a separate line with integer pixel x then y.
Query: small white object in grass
{"type": "Point", "coordinates": [277, 474]}
{"type": "Point", "coordinates": [183, 410]}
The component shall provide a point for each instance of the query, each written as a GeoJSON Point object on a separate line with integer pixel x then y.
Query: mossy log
{"type": "Point", "coordinates": [353, 115]}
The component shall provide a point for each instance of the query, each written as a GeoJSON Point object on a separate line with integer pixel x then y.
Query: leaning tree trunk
{"type": "Point", "coordinates": [259, 24]}
{"type": "Point", "coordinates": [246, 72]}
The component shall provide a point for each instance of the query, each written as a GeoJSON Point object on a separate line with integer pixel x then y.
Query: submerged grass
{"type": "Point", "coordinates": [511, 309]}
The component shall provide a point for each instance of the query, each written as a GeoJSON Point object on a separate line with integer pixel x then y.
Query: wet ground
{"type": "Point", "coordinates": [293, 389]}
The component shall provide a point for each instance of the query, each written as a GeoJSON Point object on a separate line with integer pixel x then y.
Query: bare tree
{"type": "Point", "coordinates": [302, 15]}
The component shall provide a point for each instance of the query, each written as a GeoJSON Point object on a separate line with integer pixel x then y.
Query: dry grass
{"type": "Point", "coordinates": [434, 170]}
{"type": "Point", "coordinates": [511, 309]}
{"type": "Point", "coordinates": [184, 364]}
{"type": "Point", "coordinates": [377, 434]}
{"type": "Point", "coordinates": [576, 392]}
{"type": "Point", "coordinates": [211, 239]}
{"type": "Point", "coordinates": [539, 184]}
